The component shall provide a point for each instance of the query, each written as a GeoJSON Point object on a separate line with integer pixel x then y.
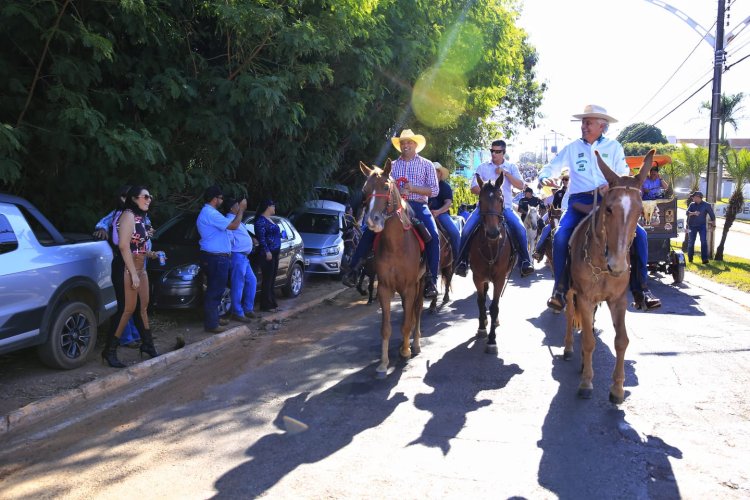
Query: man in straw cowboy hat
{"type": "Point", "coordinates": [440, 206]}
{"type": "Point", "coordinates": [490, 171]}
{"type": "Point", "coordinates": [585, 179]}
{"type": "Point", "coordinates": [421, 184]}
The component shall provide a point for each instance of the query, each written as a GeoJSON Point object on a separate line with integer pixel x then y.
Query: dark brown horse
{"type": "Point", "coordinates": [397, 259]}
{"type": "Point", "coordinates": [546, 250]}
{"type": "Point", "coordinates": [491, 256]}
{"type": "Point", "coordinates": [446, 267]}
{"type": "Point", "coordinates": [600, 271]}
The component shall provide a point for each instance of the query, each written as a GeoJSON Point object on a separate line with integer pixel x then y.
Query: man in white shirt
{"type": "Point", "coordinates": [490, 171]}
{"type": "Point", "coordinates": [585, 179]}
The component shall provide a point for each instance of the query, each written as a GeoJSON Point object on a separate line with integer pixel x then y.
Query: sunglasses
{"type": "Point", "coordinates": [145, 196]}
{"type": "Point", "coordinates": [497, 151]}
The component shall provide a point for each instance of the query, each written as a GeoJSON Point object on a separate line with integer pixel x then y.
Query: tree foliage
{"type": "Point", "coordinates": [693, 162]}
{"type": "Point", "coordinates": [641, 132]}
{"type": "Point", "coordinates": [738, 166]}
{"type": "Point", "coordinates": [265, 98]}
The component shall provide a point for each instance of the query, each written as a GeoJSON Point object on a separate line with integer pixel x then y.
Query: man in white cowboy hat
{"type": "Point", "coordinates": [490, 171]}
{"type": "Point", "coordinates": [440, 206]}
{"type": "Point", "coordinates": [421, 184]}
{"type": "Point", "coordinates": [585, 178]}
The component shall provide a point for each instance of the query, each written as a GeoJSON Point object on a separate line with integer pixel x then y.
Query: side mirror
{"type": "Point", "coordinates": [283, 234]}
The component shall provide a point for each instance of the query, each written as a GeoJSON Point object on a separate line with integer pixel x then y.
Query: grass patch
{"type": "Point", "coordinates": [732, 271]}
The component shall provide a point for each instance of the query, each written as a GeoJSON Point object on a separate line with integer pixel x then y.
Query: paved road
{"type": "Point", "coordinates": [738, 239]}
{"type": "Point", "coordinates": [452, 423]}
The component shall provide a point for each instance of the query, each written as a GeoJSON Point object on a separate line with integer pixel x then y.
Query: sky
{"type": "Point", "coordinates": [619, 53]}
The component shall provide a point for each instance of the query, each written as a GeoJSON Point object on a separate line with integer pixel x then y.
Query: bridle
{"type": "Point", "coordinates": [492, 242]}
{"type": "Point", "coordinates": [392, 204]}
{"type": "Point", "coordinates": [591, 230]}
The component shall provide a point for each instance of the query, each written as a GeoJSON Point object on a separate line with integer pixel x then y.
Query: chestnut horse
{"type": "Point", "coordinates": [397, 259]}
{"type": "Point", "coordinates": [600, 271]}
{"type": "Point", "coordinates": [491, 255]}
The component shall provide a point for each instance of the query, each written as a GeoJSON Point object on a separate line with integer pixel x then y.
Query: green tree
{"type": "Point", "coordinates": [738, 166]}
{"type": "Point", "coordinates": [692, 162]}
{"type": "Point", "coordinates": [641, 132]}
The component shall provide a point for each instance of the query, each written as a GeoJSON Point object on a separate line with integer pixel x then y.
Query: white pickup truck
{"type": "Point", "coordinates": [54, 291]}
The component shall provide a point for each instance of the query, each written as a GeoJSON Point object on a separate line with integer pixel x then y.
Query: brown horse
{"type": "Point", "coordinates": [546, 250]}
{"type": "Point", "coordinates": [600, 271]}
{"type": "Point", "coordinates": [397, 259]}
{"type": "Point", "coordinates": [446, 267]}
{"type": "Point", "coordinates": [491, 256]}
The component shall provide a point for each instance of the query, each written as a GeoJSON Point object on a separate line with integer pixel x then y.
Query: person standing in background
{"type": "Point", "coordinates": [269, 246]}
{"type": "Point", "coordinates": [696, 222]}
{"type": "Point", "coordinates": [241, 277]}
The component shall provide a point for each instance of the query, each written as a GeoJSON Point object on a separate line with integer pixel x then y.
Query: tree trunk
{"type": "Point", "coordinates": [735, 205]}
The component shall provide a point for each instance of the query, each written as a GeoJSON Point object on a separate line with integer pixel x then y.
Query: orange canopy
{"type": "Point", "coordinates": [635, 162]}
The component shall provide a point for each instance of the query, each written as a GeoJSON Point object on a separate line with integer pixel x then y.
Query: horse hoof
{"type": "Point", "coordinates": [491, 349]}
{"type": "Point", "coordinates": [567, 355]}
{"type": "Point", "coordinates": [406, 356]}
{"type": "Point", "coordinates": [481, 333]}
{"type": "Point", "coordinates": [380, 375]}
{"type": "Point", "coordinates": [585, 393]}
{"type": "Point", "coordinates": [615, 399]}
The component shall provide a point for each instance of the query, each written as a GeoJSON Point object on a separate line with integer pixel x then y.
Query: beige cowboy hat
{"type": "Point", "coordinates": [446, 173]}
{"type": "Point", "coordinates": [594, 111]}
{"type": "Point", "coordinates": [408, 134]}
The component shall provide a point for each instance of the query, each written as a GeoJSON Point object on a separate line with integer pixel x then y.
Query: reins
{"type": "Point", "coordinates": [499, 246]}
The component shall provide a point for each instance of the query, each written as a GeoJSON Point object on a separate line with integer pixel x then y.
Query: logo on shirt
{"type": "Point", "coordinates": [581, 165]}
{"type": "Point", "coordinates": [580, 155]}
{"type": "Point", "coordinates": [605, 155]}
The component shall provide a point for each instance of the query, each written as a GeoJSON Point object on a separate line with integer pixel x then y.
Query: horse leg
{"type": "Point", "coordinates": [384, 296]}
{"type": "Point", "coordinates": [407, 303]}
{"type": "Point", "coordinates": [447, 275]}
{"type": "Point", "coordinates": [418, 306]}
{"type": "Point", "coordinates": [494, 309]}
{"type": "Point", "coordinates": [570, 316]}
{"type": "Point", "coordinates": [617, 391]}
{"type": "Point", "coordinates": [482, 305]}
{"type": "Point", "coordinates": [370, 288]}
{"type": "Point", "coordinates": [586, 310]}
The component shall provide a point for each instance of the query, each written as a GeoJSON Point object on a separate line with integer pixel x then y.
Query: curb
{"type": "Point", "coordinates": [39, 410]}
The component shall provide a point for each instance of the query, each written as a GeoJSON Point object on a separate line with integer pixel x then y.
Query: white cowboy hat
{"type": "Point", "coordinates": [594, 111]}
{"type": "Point", "coordinates": [446, 173]}
{"type": "Point", "coordinates": [408, 134]}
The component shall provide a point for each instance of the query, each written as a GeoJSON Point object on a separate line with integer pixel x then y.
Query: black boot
{"type": "Point", "coordinates": [351, 275]}
{"type": "Point", "coordinates": [109, 354]}
{"type": "Point", "coordinates": [147, 343]}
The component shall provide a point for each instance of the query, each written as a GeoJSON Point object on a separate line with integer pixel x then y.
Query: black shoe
{"type": "Point", "coordinates": [241, 319]}
{"type": "Point", "coordinates": [690, 259]}
{"type": "Point", "coordinates": [645, 300]}
{"type": "Point", "coordinates": [147, 344]}
{"type": "Point", "coordinates": [251, 315]}
{"type": "Point", "coordinates": [461, 269]}
{"type": "Point", "coordinates": [430, 292]}
{"type": "Point", "coordinates": [109, 356]}
{"type": "Point", "coordinates": [526, 268]}
{"type": "Point", "coordinates": [537, 256]}
{"type": "Point", "coordinates": [217, 329]}
{"type": "Point", "coordinates": [556, 302]}
{"type": "Point", "coordinates": [705, 262]}
{"type": "Point", "coordinates": [223, 321]}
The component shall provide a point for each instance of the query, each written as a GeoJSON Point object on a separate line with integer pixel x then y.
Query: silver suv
{"type": "Point", "coordinates": [54, 290]}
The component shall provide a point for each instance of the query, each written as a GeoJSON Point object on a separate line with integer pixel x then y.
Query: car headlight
{"type": "Point", "coordinates": [184, 273]}
{"type": "Point", "coordinates": [330, 250]}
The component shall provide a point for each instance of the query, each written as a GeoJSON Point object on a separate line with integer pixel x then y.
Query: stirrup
{"type": "Point", "coordinates": [462, 269]}
{"type": "Point", "coordinates": [556, 302]}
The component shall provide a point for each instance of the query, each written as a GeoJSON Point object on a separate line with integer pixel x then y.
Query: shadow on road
{"type": "Point", "coordinates": [334, 416]}
{"type": "Point", "coordinates": [461, 374]}
{"type": "Point", "coordinates": [589, 448]}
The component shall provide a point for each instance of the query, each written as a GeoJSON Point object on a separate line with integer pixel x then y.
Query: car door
{"type": "Point", "coordinates": [286, 252]}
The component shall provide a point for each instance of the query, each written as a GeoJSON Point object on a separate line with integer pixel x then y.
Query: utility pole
{"type": "Point", "coordinates": [713, 141]}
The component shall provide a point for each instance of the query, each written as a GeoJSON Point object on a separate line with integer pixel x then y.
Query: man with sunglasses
{"type": "Point", "coordinates": [490, 171]}
{"type": "Point", "coordinates": [215, 256]}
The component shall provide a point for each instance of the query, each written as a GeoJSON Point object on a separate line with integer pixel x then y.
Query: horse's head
{"type": "Point", "coordinates": [619, 213]}
{"type": "Point", "coordinates": [381, 195]}
{"type": "Point", "coordinates": [532, 218]}
{"type": "Point", "coordinates": [491, 204]}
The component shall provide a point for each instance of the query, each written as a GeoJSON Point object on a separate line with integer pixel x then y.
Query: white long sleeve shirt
{"type": "Point", "coordinates": [579, 158]}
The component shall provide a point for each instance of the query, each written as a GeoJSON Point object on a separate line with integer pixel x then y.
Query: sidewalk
{"type": "Point", "coordinates": [31, 392]}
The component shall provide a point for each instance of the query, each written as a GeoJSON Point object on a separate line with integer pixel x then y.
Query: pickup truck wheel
{"type": "Point", "coordinates": [293, 285]}
{"type": "Point", "coordinates": [72, 336]}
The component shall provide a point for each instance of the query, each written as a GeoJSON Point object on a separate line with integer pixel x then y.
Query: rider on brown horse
{"type": "Point", "coordinates": [490, 171]}
{"type": "Point", "coordinates": [557, 199]}
{"type": "Point", "coordinates": [421, 183]}
{"type": "Point", "coordinates": [585, 179]}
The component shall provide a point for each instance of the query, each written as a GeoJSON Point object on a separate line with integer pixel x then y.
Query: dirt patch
{"type": "Point", "coordinates": [24, 379]}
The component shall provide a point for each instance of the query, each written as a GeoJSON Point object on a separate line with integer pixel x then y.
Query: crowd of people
{"type": "Point", "coordinates": [225, 250]}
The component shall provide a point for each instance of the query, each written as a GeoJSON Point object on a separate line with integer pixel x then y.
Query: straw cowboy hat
{"type": "Point", "coordinates": [446, 173]}
{"type": "Point", "coordinates": [594, 111]}
{"type": "Point", "coordinates": [408, 134]}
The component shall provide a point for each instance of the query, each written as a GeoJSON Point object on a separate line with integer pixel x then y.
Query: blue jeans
{"type": "Point", "coordinates": [216, 269]}
{"type": "Point", "coordinates": [432, 249]}
{"type": "Point", "coordinates": [568, 222]}
{"type": "Point", "coordinates": [515, 226]}
{"type": "Point", "coordinates": [694, 232]}
{"type": "Point", "coordinates": [242, 283]}
{"type": "Point", "coordinates": [452, 230]}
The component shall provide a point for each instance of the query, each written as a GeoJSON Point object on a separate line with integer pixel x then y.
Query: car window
{"type": "Point", "coordinates": [8, 240]}
{"type": "Point", "coordinates": [42, 235]}
{"type": "Point", "coordinates": [180, 231]}
{"type": "Point", "coordinates": [308, 222]}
